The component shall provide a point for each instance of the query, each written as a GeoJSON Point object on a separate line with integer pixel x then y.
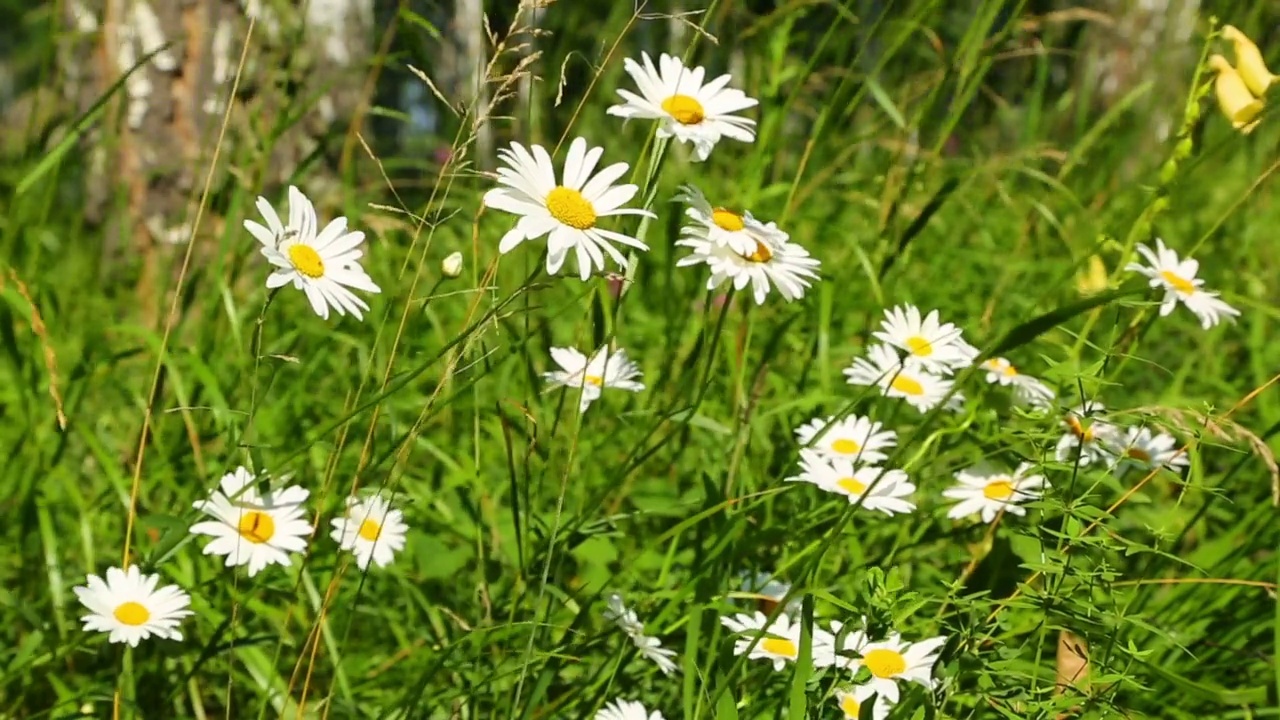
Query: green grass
{"type": "Point", "coordinates": [525, 515]}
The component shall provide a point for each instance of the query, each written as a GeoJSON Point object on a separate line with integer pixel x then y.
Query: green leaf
{"type": "Point", "coordinates": [1037, 326]}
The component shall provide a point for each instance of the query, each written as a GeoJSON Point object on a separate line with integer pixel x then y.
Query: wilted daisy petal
{"type": "Point", "coordinates": [568, 212]}
{"type": "Point", "coordinates": [690, 110]}
{"type": "Point", "coordinates": [371, 530]}
{"type": "Point", "coordinates": [604, 369]}
{"type": "Point", "coordinates": [130, 607]}
{"type": "Point", "coordinates": [252, 529]}
{"type": "Point", "coordinates": [1180, 284]}
{"type": "Point", "coordinates": [324, 264]}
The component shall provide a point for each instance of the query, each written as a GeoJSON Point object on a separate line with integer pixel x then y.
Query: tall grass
{"type": "Point", "coordinates": [923, 154]}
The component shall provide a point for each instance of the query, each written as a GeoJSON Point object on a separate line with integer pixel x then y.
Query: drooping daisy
{"type": "Point", "coordinates": [892, 660]}
{"type": "Point", "coordinates": [371, 530]}
{"type": "Point", "coordinates": [652, 650]}
{"type": "Point", "coordinates": [853, 438]}
{"type": "Point", "coordinates": [879, 489]}
{"type": "Point", "coordinates": [1086, 435]}
{"type": "Point", "coordinates": [772, 264]}
{"type": "Point", "coordinates": [690, 110]}
{"type": "Point", "coordinates": [650, 647]}
{"type": "Point", "coordinates": [1180, 284]}
{"type": "Point", "coordinates": [568, 213]}
{"type": "Point", "coordinates": [936, 346]}
{"type": "Point", "coordinates": [257, 530]}
{"type": "Point", "coordinates": [779, 641]}
{"type": "Point", "coordinates": [883, 369]}
{"type": "Point", "coordinates": [769, 591]}
{"type": "Point", "coordinates": [1026, 389]}
{"type": "Point", "coordinates": [851, 701]}
{"type": "Point", "coordinates": [987, 490]}
{"type": "Point", "coordinates": [1142, 449]}
{"type": "Point", "coordinates": [323, 265]}
{"type": "Point", "coordinates": [626, 710]}
{"type": "Point", "coordinates": [624, 617]}
{"type": "Point", "coordinates": [738, 231]}
{"type": "Point", "coordinates": [130, 607]}
{"type": "Point", "coordinates": [602, 370]}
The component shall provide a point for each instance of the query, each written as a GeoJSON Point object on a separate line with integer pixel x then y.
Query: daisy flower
{"type": "Point", "coordinates": [602, 370]}
{"type": "Point", "coordinates": [323, 265]}
{"type": "Point", "coordinates": [883, 369]}
{"type": "Point", "coordinates": [1085, 435]}
{"type": "Point", "coordinates": [130, 608]}
{"type": "Point", "coordinates": [1026, 389]}
{"type": "Point", "coordinates": [892, 660]}
{"type": "Point", "coordinates": [987, 490]}
{"type": "Point", "coordinates": [1144, 450]}
{"type": "Point", "coordinates": [257, 530]}
{"type": "Point", "coordinates": [845, 646]}
{"type": "Point", "coordinates": [1180, 284]}
{"type": "Point", "coordinates": [650, 647]}
{"type": "Point", "coordinates": [779, 641]}
{"type": "Point", "coordinates": [769, 592]}
{"type": "Point", "coordinates": [624, 617]}
{"type": "Point", "coordinates": [856, 483]}
{"type": "Point", "coordinates": [772, 263]}
{"type": "Point", "coordinates": [850, 703]}
{"type": "Point", "coordinates": [626, 710]}
{"type": "Point", "coordinates": [691, 111]}
{"type": "Point", "coordinates": [568, 213]}
{"type": "Point", "coordinates": [935, 346]}
{"type": "Point", "coordinates": [371, 530]}
{"type": "Point", "coordinates": [853, 438]}
{"type": "Point", "coordinates": [737, 231]}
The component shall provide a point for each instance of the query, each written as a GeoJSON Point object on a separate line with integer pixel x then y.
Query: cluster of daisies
{"type": "Point", "coordinates": [916, 359]}
{"type": "Point", "coordinates": [250, 528]}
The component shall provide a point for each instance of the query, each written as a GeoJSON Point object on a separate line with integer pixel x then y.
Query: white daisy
{"type": "Point", "coordinates": [853, 438]}
{"type": "Point", "coordinates": [624, 617]}
{"type": "Point", "coordinates": [882, 368]}
{"type": "Point", "coordinates": [568, 213]}
{"type": "Point", "coordinates": [690, 110]}
{"type": "Point", "coordinates": [737, 231]}
{"type": "Point", "coordinates": [371, 530]}
{"type": "Point", "coordinates": [650, 647]}
{"type": "Point", "coordinates": [892, 660]}
{"type": "Point", "coordinates": [602, 370]}
{"type": "Point", "coordinates": [257, 530]}
{"type": "Point", "coordinates": [626, 710]}
{"type": "Point", "coordinates": [836, 475]}
{"type": "Point", "coordinates": [1142, 449]}
{"type": "Point", "coordinates": [773, 263]}
{"type": "Point", "coordinates": [850, 703]}
{"type": "Point", "coordinates": [129, 606]}
{"type": "Point", "coordinates": [322, 265]}
{"type": "Point", "coordinates": [987, 490]}
{"type": "Point", "coordinates": [769, 592]}
{"type": "Point", "coordinates": [1085, 435]}
{"type": "Point", "coordinates": [846, 646]}
{"type": "Point", "coordinates": [779, 640]}
{"type": "Point", "coordinates": [1026, 389]}
{"type": "Point", "coordinates": [1180, 284]}
{"type": "Point", "coordinates": [936, 346]}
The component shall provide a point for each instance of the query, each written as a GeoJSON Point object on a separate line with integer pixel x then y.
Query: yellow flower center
{"type": "Point", "coordinates": [850, 706]}
{"type": "Point", "coordinates": [132, 613]}
{"type": "Point", "coordinates": [1179, 283]}
{"type": "Point", "coordinates": [370, 530]}
{"type": "Point", "coordinates": [904, 384]}
{"type": "Point", "coordinates": [780, 646]}
{"type": "Point", "coordinates": [851, 486]}
{"type": "Point", "coordinates": [998, 490]}
{"type": "Point", "coordinates": [845, 446]}
{"type": "Point", "coordinates": [257, 527]}
{"type": "Point", "coordinates": [885, 663]}
{"type": "Point", "coordinates": [1138, 454]}
{"type": "Point", "coordinates": [593, 380]}
{"type": "Point", "coordinates": [919, 346]}
{"type": "Point", "coordinates": [686, 110]}
{"type": "Point", "coordinates": [1085, 434]}
{"type": "Point", "coordinates": [727, 220]}
{"type": "Point", "coordinates": [761, 254]}
{"type": "Point", "coordinates": [306, 260]}
{"type": "Point", "coordinates": [1010, 371]}
{"type": "Point", "coordinates": [571, 208]}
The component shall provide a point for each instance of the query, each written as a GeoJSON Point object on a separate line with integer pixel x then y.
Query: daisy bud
{"type": "Point", "coordinates": [451, 266]}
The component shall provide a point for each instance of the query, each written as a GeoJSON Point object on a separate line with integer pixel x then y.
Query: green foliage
{"type": "Point", "coordinates": [912, 152]}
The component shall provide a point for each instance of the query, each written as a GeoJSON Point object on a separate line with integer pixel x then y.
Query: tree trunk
{"type": "Point", "coordinates": [150, 153]}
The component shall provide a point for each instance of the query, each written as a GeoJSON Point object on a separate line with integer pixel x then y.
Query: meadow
{"type": "Point", "coordinates": [713, 479]}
